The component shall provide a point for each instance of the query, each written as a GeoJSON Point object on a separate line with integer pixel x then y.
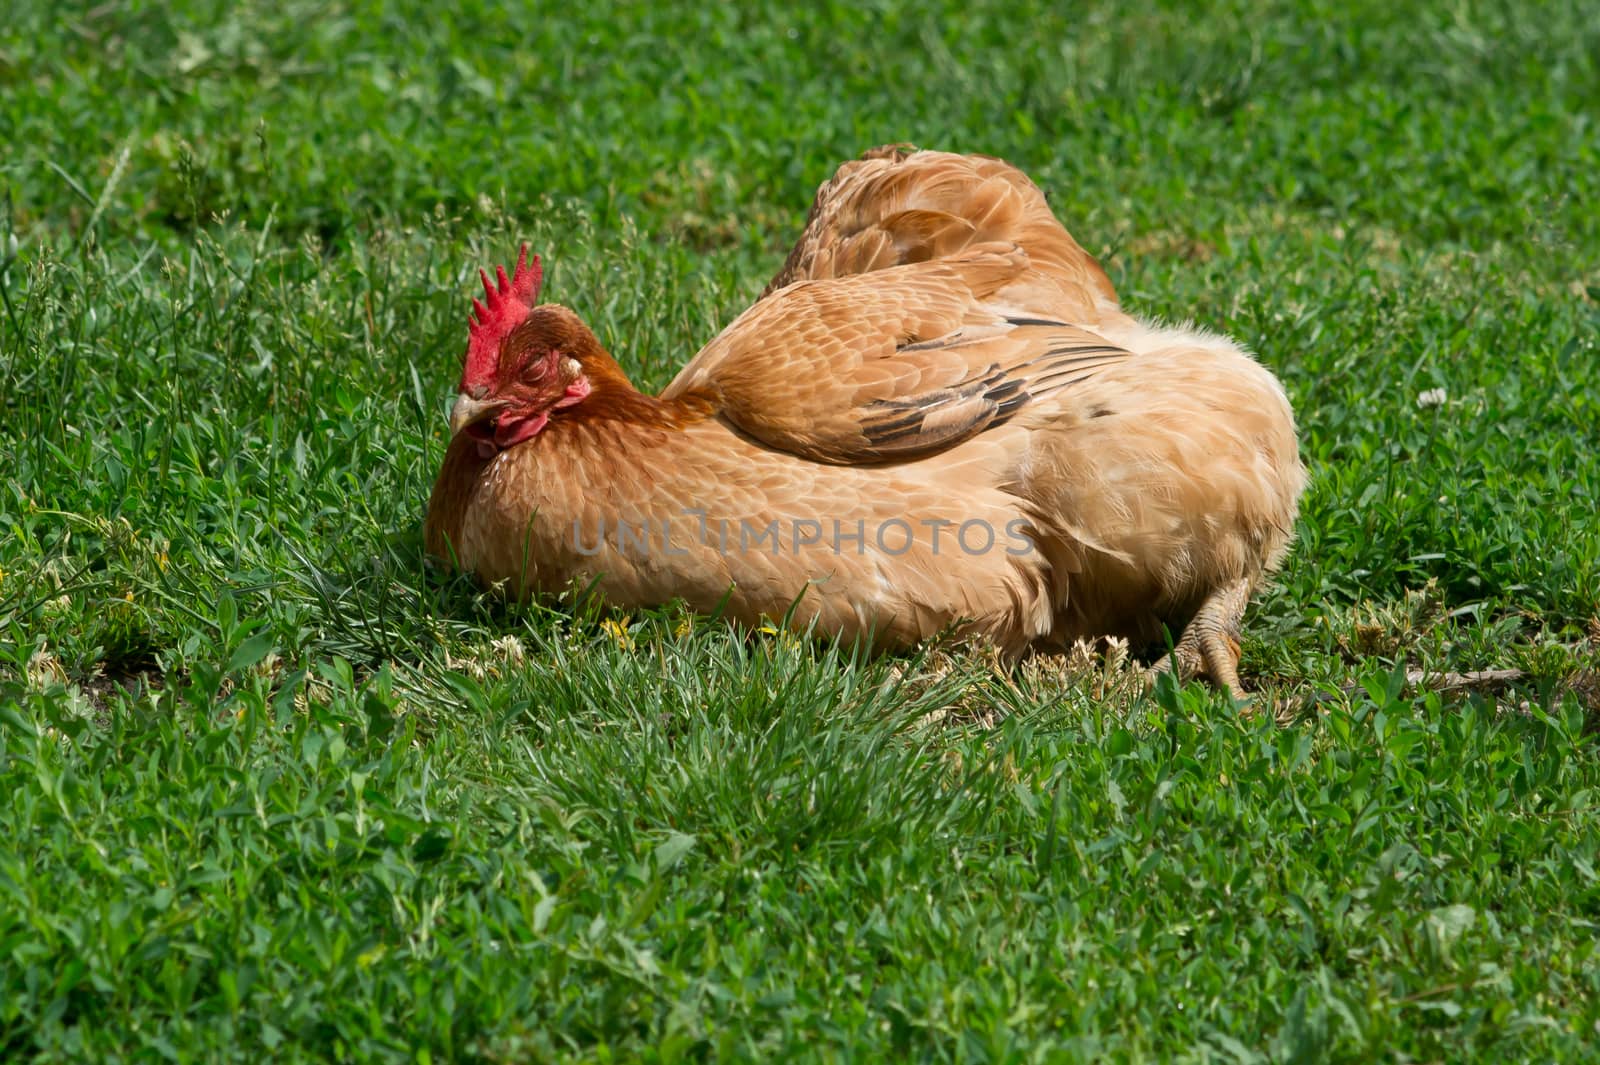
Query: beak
{"type": "Point", "coordinates": [469, 411]}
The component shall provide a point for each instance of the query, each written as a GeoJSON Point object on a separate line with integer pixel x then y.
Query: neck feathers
{"type": "Point", "coordinates": [612, 398]}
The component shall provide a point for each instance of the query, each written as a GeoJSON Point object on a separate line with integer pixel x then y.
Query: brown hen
{"type": "Point", "coordinates": [937, 416]}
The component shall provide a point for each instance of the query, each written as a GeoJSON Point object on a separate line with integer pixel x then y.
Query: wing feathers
{"type": "Point", "coordinates": [839, 370]}
{"type": "Point", "coordinates": [931, 297]}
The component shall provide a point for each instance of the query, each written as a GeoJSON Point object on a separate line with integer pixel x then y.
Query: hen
{"type": "Point", "coordinates": [937, 416]}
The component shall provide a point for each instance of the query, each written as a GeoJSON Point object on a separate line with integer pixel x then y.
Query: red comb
{"type": "Point", "coordinates": [504, 307]}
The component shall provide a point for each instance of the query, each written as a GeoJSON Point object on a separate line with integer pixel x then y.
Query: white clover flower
{"type": "Point", "coordinates": [509, 649]}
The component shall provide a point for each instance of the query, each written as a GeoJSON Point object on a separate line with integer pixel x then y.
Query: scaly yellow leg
{"type": "Point", "coordinates": [1210, 643]}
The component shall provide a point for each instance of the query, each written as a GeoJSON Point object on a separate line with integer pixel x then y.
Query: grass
{"type": "Point", "coordinates": [279, 788]}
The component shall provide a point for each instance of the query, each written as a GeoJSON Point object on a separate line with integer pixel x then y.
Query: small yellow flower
{"type": "Point", "coordinates": [128, 595]}
{"type": "Point", "coordinates": [618, 631]}
{"type": "Point", "coordinates": [684, 626]}
{"type": "Point", "coordinates": [161, 561]}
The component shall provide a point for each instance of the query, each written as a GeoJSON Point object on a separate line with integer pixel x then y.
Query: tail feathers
{"type": "Point", "coordinates": [896, 205]}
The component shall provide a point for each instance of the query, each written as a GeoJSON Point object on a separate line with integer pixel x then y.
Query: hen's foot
{"type": "Point", "coordinates": [1210, 643]}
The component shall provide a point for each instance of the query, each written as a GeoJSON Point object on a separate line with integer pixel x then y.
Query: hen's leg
{"type": "Point", "coordinates": [1210, 643]}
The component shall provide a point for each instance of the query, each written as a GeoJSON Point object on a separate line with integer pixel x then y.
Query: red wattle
{"type": "Point", "coordinates": [512, 431]}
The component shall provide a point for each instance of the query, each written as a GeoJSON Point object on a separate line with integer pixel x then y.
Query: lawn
{"type": "Point", "coordinates": [282, 790]}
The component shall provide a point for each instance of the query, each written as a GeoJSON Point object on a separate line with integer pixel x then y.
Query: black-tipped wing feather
{"type": "Point", "coordinates": [893, 365]}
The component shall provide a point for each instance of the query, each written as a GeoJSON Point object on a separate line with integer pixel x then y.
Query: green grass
{"type": "Point", "coordinates": [277, 786]}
